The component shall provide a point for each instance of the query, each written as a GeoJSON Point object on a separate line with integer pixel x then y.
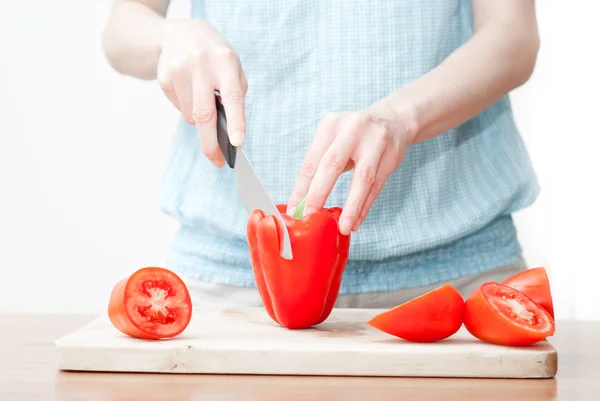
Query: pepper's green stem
{"type": "Point", "coordinates": [299, 213]}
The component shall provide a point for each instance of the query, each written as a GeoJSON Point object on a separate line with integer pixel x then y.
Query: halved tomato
{"type": "Point", "coordinates": [152, 303]}
{"type": "Point", "coordinates": [430, 317]}
{"type": "Point", "coordinates": [498, 314]}
{"type": "Point", "coordinates": [535, 284]}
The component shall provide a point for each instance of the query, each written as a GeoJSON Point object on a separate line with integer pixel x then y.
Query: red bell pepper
{"type": "Point", "coordinates": [298, 293]}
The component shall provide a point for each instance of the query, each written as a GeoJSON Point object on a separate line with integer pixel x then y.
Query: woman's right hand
{"type": "Point", "coordinates": [195, 61]}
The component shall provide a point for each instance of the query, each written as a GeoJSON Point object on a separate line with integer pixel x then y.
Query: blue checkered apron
{"type": "Point", "coordinates": [445, 213]}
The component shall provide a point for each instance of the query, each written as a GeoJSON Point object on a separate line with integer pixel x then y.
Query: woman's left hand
{"type": "Point", "coordinates": [373, 142]}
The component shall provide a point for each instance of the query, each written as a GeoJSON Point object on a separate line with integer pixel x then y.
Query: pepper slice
{"type": "Point", "coordinates": [298, 293]}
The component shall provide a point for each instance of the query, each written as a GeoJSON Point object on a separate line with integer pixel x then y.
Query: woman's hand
{"type": "Point", "coordinates": [373, 142]}
{"type": "Point", "coordinates": [195, 61]}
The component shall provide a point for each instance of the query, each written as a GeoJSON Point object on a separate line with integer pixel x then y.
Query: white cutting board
{"type": "Point", "coordinates": [247, 341]}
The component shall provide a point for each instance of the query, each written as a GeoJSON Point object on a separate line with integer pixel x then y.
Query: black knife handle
{"type": "Point", "coordinates": [229, 151]}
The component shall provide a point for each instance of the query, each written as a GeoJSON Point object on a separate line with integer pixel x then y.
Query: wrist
{"type": "Point", "coordinates": [402, 114]}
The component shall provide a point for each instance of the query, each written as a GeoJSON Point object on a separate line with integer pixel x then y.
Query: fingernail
{"type": "Point", "coordinates": [236, 138]}
{"type": "Point", "coordinates": [346, 226]}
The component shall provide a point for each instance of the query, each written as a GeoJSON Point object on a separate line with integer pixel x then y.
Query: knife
{"type": "Point", "coordinates": [250, 190]}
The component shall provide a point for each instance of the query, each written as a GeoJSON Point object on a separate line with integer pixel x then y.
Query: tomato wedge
{"type": "Point", "coordinates": [501, 315]}
{"type": "Point", "coordinates": [535, 284]}
{"type": "Point", "coordinates": [430, 317]}
{"type": "Point", "coordinates": [152, 303]}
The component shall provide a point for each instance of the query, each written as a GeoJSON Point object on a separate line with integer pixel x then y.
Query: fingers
{"type": "Point", "coordinates": [205, 119]}
{"type": "Point", "coordinates": [189, 77]}
{"type": "Point", "coordinates": [373, 194]}
{"type": "Point", "coordinates": [166, 84]}
{"type": "Point", "coordinates": [334, 161]}
{"type": "Point", "coordinates": [389, 163]}
{"type": "Point", "coordinates": [233, 90]}
{"type": "Point", "coordinates": [324, 136]}
{"type": "Point", "coordinates": [363, 180]}
{"type": "Point", "coordinates": [366, 174]}
{"type": "Point", "coordinates": [183, 90]}
{"type": "Point", "coordinates": [347, 141]}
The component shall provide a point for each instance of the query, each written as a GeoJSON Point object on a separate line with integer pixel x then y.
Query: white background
{"type": "Point", "coordinates": [82, 150]}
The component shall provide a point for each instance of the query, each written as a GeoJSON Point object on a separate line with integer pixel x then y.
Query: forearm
{"type": "Point", "coordinates": [133, 34]}
{"type": "Point", "coordinates": [498, 58]}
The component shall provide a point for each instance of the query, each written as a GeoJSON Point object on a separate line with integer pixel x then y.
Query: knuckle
{"type": "Point", "coordinates": [244, 83]}
{"type": "Point", "coordinates": [234, 95]}
{"type": "Point", "coordinates": [327, 124]}
{"type": "Point", "coordinates": [376, 189]}
{"type": "Point", "coordinates": [226, 53]}
{"type": "Point", "coordinates": [308, 170]}
{"type": "Point", "coordinates": [330, 118]}
{"type": "Point", "coordinates": [361, 119]}
{"type": "Point", "coordinates": [165, 83]}
{"type": "Point", "coordinates": [367, 174]}
{"type": "Point", "coordinates": [328, 121]}
{"type": "Point", "coordinates": [334, 161]}
{"type": "Point", "coordinates": [382, 134]}
{"type": "Point", "coordinates": [202, 115]}
{"type": "Point", "coordinates": [163, 75]}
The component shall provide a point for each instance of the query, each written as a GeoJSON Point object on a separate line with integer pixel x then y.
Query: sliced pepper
{"type": "Point", "coordinates": [298, 293]}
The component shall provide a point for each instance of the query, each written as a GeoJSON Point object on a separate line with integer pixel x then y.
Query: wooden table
{"type": "Point", "coordinates": [28, 373]}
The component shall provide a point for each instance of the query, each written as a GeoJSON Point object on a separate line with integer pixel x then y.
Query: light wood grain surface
{"type": "Point", "coordinates": [247, 341]}
{"type": "Point", "coordinates": [28, 372]}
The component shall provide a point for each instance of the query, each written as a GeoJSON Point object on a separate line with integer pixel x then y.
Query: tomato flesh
{"type": "Point", "coordinates": [152, 303]}
{"type": "Point", "coordinates": [501, 315]}
{"type": "Point", "coordinates": [158, 294]}
{"type": "Point", "coordinates": [535, 284]}
{"type": "Point", "coordinates": [430, 317]}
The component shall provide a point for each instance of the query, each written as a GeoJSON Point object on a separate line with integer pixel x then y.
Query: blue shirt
{"type": "Point", "coordinates": [445, 213]}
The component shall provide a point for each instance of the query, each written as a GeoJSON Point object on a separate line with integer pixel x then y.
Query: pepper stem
{"type": "Point", "coordinates": [299, 213]}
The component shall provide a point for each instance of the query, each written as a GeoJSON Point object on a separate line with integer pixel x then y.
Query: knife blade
{"type": "Point", "coordinates": [250, 189]}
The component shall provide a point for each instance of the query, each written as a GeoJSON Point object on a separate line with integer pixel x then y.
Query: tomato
{"type": "Point", "coordinates": [152, 303]}
{"type": "Point", "coordinates": [430, 317]}
{"type": "Point", "coordinates": [498, 314]}
{"type": "Point", "coordinates": [533, 283]}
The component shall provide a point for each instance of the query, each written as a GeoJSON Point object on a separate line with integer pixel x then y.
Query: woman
{"type": "Point", "coordinates": [411, 97]}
